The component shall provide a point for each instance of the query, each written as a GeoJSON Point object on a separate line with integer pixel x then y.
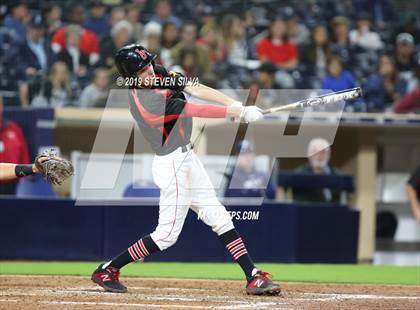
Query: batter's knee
{"type": "Point", "coordinates": [164, 239]}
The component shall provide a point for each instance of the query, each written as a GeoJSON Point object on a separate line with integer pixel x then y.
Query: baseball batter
{"type": "Point", "coordinates": [164, 117]}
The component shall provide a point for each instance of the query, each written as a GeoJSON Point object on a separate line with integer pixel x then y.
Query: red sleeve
{"type": "Point", "coordinates": [261, 48]}
{"type": "Point", "coordinates": [59, 37]}
{"type": "Point", "coordinates": [89, 43]}
{"type": "Point", "coordinates": [409, 102]}
{"type": "Point", "coordinates": [204, 110]}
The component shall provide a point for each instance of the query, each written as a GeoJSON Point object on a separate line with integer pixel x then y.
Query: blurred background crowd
{"type": "Point", "coordinates": [60, 53]}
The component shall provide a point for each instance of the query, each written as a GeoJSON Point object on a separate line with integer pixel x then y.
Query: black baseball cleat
{"type": "Point", "coordinates": [261, 284]}
{"type": "Point", "coordinates": [109, 279]}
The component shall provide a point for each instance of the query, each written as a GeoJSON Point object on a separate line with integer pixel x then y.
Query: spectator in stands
{"type": "Point", "coordinates": [52, 17]}
{"type": "Point", "coordinates": [211, 39]}
{"type": "Point", "coordinates": [319, 154]}
{"type": "Point", "coordinates": [404, 52]}
{"type": "Point", "coordinates": [409, 25]}
{"type": "Point", "coordinates": [97, 21]}
{"type": "Point", "coordinates": [132, 12]}
{"type": "Point", "coordinates": [117, 14]}
{"type": "Point", "coordinates": [75, 58]}
{"type": "Point", "coordinates": [315, 55]}
{"type": "Point", "coordinates": [233, 32]}
{"type": "Point", "coordinates": [152, 35]}
{"type": "Point", "coordinates": [96, 93]}
{"type": "Point", "coordinates": [188, 39]}
{"type": "Point", "coordinates": [297, 32]}
{"type": "Point", "coordinates": [411, 101]}
{"type": "Point", "coordinates": [57, 91]}
{"type": "Point", "coordinates": [277, 48]}
{"type": "Point", "coordinates": [87, 40]}
{"type": "Point", "coordinates": [413, 193]}
{"type": "Point", "coordinates": [385, 87]}
{"type": "Point", "coordinates": [13, 149]}
{"type": "Point", "coordinates": [16, 21]}
{"type": "Point", "coordinates": [337, 78]}
{"type": "Point", "coordinates": [341, 45]}
{"type": "Point", "coordinates": [266, 81]}
{"type": "Point", "coordinates": [35, 54]}
{"type": "Point", "coordinates": [363, 36]}
{"type": "Point", "coordinates": [163, 13]}
{"type": "Point", "coordinates": [208, 16]}
{"type": "Point", "coordinates": [169, 38]}
{"type": "Point", "coordinates": [121, 34]}
{"type": "Point", "coordinates": [188, 63]}
{"type": "Point", "coordinates": [246, 180]}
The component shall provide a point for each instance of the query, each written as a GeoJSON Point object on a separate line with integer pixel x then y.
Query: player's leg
{"type": "Point", "coordinates": [213, 213]}
{"type": "Point", "coordinates": [171, 175]}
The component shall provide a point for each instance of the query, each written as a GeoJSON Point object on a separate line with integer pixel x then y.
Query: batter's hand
{"type": "Point", "coordinates": [251, 114]}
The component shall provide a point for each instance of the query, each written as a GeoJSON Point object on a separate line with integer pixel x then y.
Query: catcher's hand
{"type": "Point", "coordinates": [54, 169]}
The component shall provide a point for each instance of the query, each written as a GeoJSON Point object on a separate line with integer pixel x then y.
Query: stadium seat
{"type": "Point", "coordinates": [34, 186]}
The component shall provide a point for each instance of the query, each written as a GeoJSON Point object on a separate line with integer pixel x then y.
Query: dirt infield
{"type": "Point", "coordinates": [46, 292]}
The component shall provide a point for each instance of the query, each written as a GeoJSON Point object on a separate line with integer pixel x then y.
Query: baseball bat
{"type": "Point", "coordinates": [346, 94]}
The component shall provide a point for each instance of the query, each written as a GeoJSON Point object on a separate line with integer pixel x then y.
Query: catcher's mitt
{"type": "Point", "coordinates": [54, 169]}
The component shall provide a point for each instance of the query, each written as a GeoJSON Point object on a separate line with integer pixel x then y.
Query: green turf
{"type": "Point", "coordinates": [282, 272]}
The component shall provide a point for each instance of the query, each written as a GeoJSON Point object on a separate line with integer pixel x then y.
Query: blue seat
{"type": "Point", "coordinates": [142, 189]}
{"type": "Point", "coordinates": [34, 186]}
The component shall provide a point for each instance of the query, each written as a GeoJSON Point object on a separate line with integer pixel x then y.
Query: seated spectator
{"type": "Point", "coordinates": [315, 55]}
{"type": "Point", "coordinates": [117, 14]}
{"type": "Point", "coordinates": [413, 193]}
{"type": "Point", "coordinates": [16, 21]}
{"type": "Point", "coordinates": [96, 94]}
{"type": "Point", "coordinates": [188, 63]}
{"type": "Point", "coordinates": [13, 149]}
{"type": "Point", "coordinates": [87, 40]}
{"type": "Point", "coordinates": [341, 45]}
{"type": "Point", "coordinates": [337, 78]}
{"type": "Point", "coordinates": [385, 87]}
{"type": "Point", "coordinates": [405, 59]}
{"type": "Point", "coordinates": [363, 36]}
{"type": "Point", "coordinates": [52, 16]}
{"type": "Point", "coordinates": [246, 180]}
{"type": "Point", "coordinates": [163, 13]}
{"type": "Point", "coordinates": [97, 21]}
{"type": "Point", "coordinates": [169, 38]}
{"type": "Point", "coordinates": [235, 44]}
{"type": "Point", "coordinates": [151, 37]}
{"type": "Point", "coordinates": [211, 39]}
{"type": "Point", "coordinates": [75, 58]}
{"type": "Point", "coordinates": [266, 81]}
{"type": "Point", "coordinates": [405, 52]}
{"type": "Point", "coordinates": [277, 48]}
{"type": "Point", "coordinates": [188, 39]}
{"type": "Point", "coordinates": [411, 101]}
{"type": "Point", "coordinates": [121, 34]}
{"type": "Point", "coordinates": [132, 12]}
{"type": "Point", "coordinates": [57, 91]}
{"type": "Point", "coordinates": [296, 32]}
{"type": "Point", "coordinates": [35, 55]}
{"type": "Point", "coordinates": [409, 25]}
{"type": "Point", "coordinates": [318, 164]}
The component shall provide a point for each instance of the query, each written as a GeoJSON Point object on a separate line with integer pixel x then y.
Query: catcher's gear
{"type": "Point", "coordinates": [54, 169]}
{"type": "Point", "coordinates": [132, 58]}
